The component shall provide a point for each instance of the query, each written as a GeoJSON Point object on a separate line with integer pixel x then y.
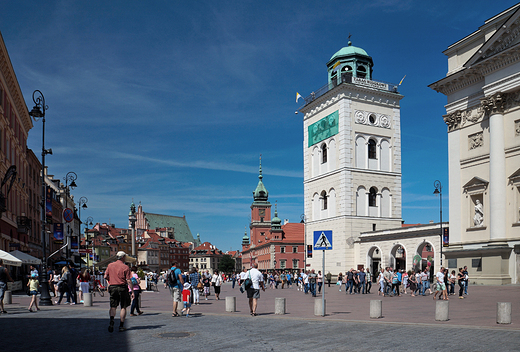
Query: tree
{"type": "Point", "coordinates": [226, 264]}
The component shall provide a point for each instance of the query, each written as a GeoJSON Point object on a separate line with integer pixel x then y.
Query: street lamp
{"type": "Point", "coordinates": [70, 177]}
{"type": "Point", "coordinates": [438, 190]}
{"type": "Point", "coordinates": [82, 203]}
{"type": "Point", "coordinates": [132, 219]}
{"type": "Point", "coordinates": [38, 112]}
{"type": "Point", "coordinates": [88, 223]}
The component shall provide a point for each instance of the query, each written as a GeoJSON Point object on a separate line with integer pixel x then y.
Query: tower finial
{"type": "Point", "coordinates": [349, 42]}
{"type": "Point", "coordinates": [260, 170]}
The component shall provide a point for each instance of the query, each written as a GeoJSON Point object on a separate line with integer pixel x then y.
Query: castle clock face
{"type": "Point", "coordinates": [261, 212]}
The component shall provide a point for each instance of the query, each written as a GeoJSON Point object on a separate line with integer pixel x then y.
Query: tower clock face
{"type": "Point", "coordinates": [261, 212]}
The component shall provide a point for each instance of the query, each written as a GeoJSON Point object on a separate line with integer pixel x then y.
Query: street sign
{"type": "Point", "coordinates": [323, 240]}
{"type": "Point", "coordinates": [85, 251]}
{"type": "Point", "coordinates": [68, 215]}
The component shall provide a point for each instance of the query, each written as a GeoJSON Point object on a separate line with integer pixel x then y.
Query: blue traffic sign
{"type": "Point", "coordinates": [323, 240]}
{"type": "Point", "coordinates": [68, 215]}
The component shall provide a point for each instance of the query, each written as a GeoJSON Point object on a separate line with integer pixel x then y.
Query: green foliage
{"type": "Point", "coordinates": [140, 273]}
{"type": "Point", "coordinates": [226, 264]}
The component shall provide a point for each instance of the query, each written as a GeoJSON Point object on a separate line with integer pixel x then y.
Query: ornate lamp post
{"type": "Point", "coordinates": [82, 203]}
{"type": "Point", "coordinates": [38, 112]}
{"type": "Point", "coordinates": [88, 223]}
{"type": "Point", "coordinates": [70, 177]}
{"type": "Point", "coordinates": [132, 219]}
{"type": "Point", "coordinates": [438, 190]}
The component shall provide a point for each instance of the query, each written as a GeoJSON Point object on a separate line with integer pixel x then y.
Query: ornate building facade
{"type": "Point", "coordinates": [352, 159]}
{"type": "Point", "coordinates": [483, 118]}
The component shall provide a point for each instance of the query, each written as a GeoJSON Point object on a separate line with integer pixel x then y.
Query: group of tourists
{"type": "Point", "coordinates": [355, 281]}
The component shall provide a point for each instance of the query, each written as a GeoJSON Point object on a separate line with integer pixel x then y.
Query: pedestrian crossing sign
{"type": "Point", "coordinates": [323, 240]}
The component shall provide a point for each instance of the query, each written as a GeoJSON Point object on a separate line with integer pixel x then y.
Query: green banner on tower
{"type": "Point", "coordinates": [324, 128]}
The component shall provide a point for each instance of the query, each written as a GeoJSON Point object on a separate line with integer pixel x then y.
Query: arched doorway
{"type": "Point", "coordinates": [374, 261]}
{"type": "Point", "coordinates": [424, 258]}
{"type": "Point", "coordinates": [398, 257]}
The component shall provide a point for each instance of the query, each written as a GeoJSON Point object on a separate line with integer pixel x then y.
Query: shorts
{"type": "Point", "coordinates": [3, 288]}
{"type": "Point", "coordinates": [119, 295]}
{"type": "Point", "coordinates": [217, 289]}
{"type": "Point", "coordinates": [33, 293]}
{"type": "Point", "coordinates": [441, 286]}
{"type": "Point", "coordinates": [186, 304]}
{"type": "Point", "coordinates": [253, 293]}
{"type": "Point", "coordinates": [176, 294]}
{"type": "Point", "coordinates": [84, 287]}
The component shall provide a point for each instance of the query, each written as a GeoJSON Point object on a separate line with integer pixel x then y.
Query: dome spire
{"type": "Point", "coordinates": [260, 194]}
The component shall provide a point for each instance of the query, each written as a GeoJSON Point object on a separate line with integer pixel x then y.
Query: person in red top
{"type": "Point", "coordinates": [119, 286]}
{"type": "Point", "coordinates": [186, 299]}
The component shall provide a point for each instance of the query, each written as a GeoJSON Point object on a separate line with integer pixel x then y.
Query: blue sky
{"type": "Point", "coordinates": [171, 103]}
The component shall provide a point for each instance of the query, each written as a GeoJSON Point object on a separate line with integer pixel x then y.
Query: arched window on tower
{"type": "Point", "coordinates": [372, 197]}
{"type": "Point", "coordinates": [323, 153]}
{"type": "Point", "coordinates": [323, 200]}
{"type": "Point", "coordinates": [372, 149]}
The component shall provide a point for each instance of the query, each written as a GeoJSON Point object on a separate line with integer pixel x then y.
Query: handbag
{"type": "Point", "coordinates": [248, 282]}
{"type": "Point", "coordinates": [200, 285]}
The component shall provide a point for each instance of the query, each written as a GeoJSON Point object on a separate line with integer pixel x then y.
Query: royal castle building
{"type": "Point", "coordinates": [482, 87]}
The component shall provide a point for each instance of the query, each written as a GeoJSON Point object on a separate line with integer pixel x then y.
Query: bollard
{"type": "Point", "coordinates": [279, 305]}
{"type": "Point", "coordinates": [442, 310]}
{"type": "Point", "coordinates": [319, 309]}
{"type": "Point", "coordinates": [503, 312]}
{"type": "Point", "coordinates": [376, 309]}
{"type": "Point", "coordinates": [231, 304]}
{"type": "Point", "coordinates": [8, 297]}
{"type": "Point", "coordinates": [87, 299]}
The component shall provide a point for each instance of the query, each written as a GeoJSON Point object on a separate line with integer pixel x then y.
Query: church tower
{"type": "Point", "coordinates": [260, 212]}
{"type": "Point", "coordinates": [352, 158]}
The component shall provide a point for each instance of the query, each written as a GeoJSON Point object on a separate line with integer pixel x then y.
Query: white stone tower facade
{"type": "Point", "coordinates": [352, 158]}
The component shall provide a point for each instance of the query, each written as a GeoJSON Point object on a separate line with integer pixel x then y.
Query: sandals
{"type": "Point", "coordinates": [175, 314]}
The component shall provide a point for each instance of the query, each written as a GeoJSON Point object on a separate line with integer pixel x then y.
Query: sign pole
{"type": "Point", "coordinates": [323, 284]}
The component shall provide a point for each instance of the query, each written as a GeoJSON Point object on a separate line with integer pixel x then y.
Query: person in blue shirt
{"type": "Point", "coordinates": [176, 283]}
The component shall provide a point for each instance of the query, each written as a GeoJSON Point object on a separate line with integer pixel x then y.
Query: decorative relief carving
{"type": "Point", "coordinates": [517, 128]}
{"type": "Point", "coordinates": [504, 41]}
{"type": "Point", "coordinates": [372, 119]}
{"type": "Point", "coordinates": [494, 104]}
{"type": "Point", "coordinates": [475, 140]}
{"type": "Point", "coordinates": [453, 120]}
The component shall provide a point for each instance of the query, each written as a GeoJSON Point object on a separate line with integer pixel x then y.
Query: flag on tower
{"type": "Point", "coordinates": [336, 65]}
{"type": "Point", "coordinates": [402, 80]}
{"type": "Point", "coordinates": [298, 96]}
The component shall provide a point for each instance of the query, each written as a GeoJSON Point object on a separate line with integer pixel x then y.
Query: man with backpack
{"type": "Point", "coordinates": [175, 283]}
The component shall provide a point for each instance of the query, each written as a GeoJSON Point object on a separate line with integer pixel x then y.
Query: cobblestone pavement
{"type": "Point", "coordinates": [408, 325]}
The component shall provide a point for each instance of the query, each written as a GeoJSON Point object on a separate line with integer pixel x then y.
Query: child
{"type": "Point", "coordinates": [33, 291]}
{"type": "Point", "coordinates": [186, 293]}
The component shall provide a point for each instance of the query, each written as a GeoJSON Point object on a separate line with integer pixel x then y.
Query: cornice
{"type": "Point", "coordinates": [13, 87]}
{"type": "Point", "coordinates": [352, 92]}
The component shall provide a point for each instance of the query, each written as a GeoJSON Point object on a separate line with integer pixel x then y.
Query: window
{"type": "Point", "coordinates": [372, 151]}
{"type": "Point", "coordinates": [324, 200]}
{"type": "Point", "coordinates": [372, 196]}
{"type": "Point", "coordinates": [282, 249]}
{"type": "Point", "coordinates": [323, 153]}
{"type": "Point", "coordinates": [283, 263]}
{"type": "Point", "coordinates": [295, 263]}
{"type": "Point", "coordinates": [295, 249]}
{"type": "Point", "coordinates": [361, 72]}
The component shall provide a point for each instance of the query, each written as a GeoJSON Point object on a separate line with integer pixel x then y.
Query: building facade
{"type": "Point", "coordinates": [483, 118]}
{"type": "Point", "coordinates": [352, 158]}
{"type": "Point", "coordinates": [271, 245]}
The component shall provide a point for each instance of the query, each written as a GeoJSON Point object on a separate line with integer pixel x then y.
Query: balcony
{"type": "Point", "coordinates": [349, 79]}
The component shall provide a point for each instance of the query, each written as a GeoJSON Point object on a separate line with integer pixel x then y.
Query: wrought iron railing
{"type": "Point", "coordinates": [349, 79]}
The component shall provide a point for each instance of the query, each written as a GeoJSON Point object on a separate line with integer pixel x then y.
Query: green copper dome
{"type": "Point", "coordinates": [348, 51]}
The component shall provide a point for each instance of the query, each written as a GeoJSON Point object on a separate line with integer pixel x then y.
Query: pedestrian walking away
{"type": "Point", "coordinates": [253, 292]}
{"type": "Point", "coordinates": [119, 280]}
{"type": "Point", "coordinates": [175, 283]}
{"type": "Point", "coordinates": [136, 289]}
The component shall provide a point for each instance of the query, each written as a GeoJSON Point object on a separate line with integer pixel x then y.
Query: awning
{"type": "Point", "coordinates": [104, 263]}
{"type": "Point", "coordinates": [10, 259]}
{"type": "Point", "coordinates": [26, 258]}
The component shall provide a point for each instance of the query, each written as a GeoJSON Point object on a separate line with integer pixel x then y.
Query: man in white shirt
{"type": "Point", "coordinates": [253, 292]}
{"type": "Point", "coordinates": [441, 286]}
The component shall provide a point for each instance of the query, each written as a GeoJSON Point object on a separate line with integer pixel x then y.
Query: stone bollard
{"type": "Point", "coordinates": [8, 297]}
{"type": "Point", "coordinates": [231, 304]}
{"type": "Point", "coordinates": [279, 305]}
{"type": "Point", "coordinates": [442, 310]}
{"type": "Point", "coordinates": [87, 299]}
{"type": "Point", "coordinates": [503, 312]}
{"type": "Point", "coordinates": [376, 309]}
{"type": "Point", "coordinates": [318, 306]}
